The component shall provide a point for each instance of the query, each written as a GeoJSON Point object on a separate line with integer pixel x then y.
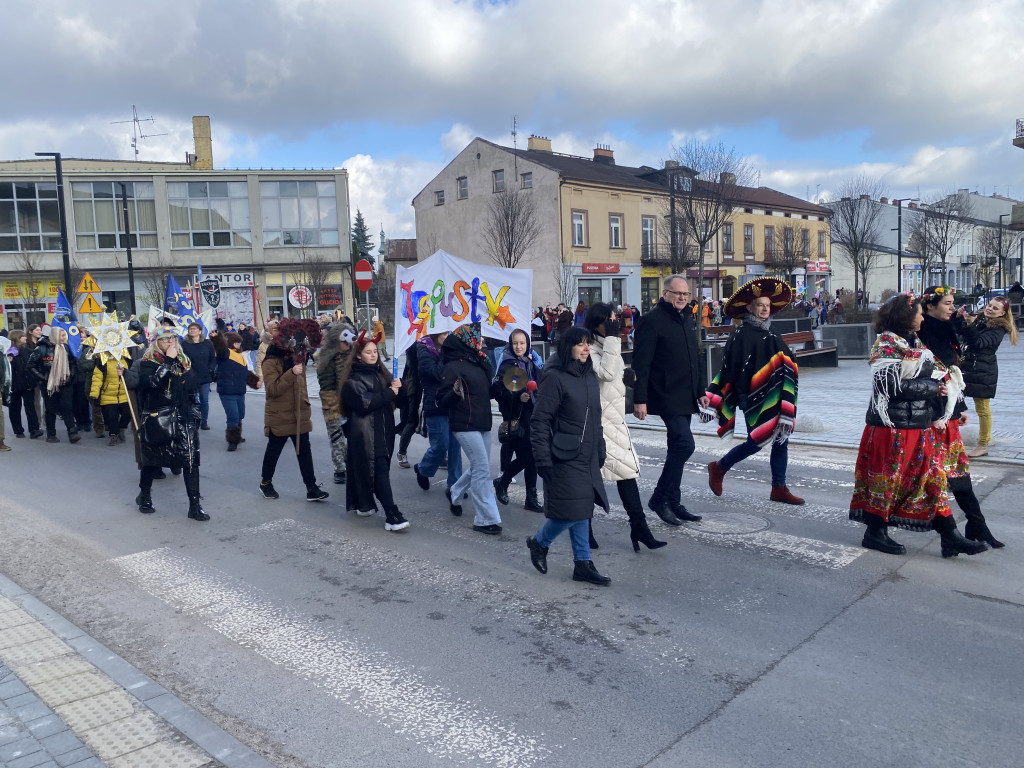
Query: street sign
{"type": "Point", "coordinates": [300, 296]}
{"type": "Point", "coordinates": [88, 285]}
{"type": "Point", "coordinates": [90, 306]}
{"type": "Point", "coordinates": [364, 275]}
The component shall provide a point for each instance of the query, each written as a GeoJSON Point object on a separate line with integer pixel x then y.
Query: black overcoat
{"type": "Point", "coordinates": [368, 401]}
{"type": "Point", "coordinates": [667, 362]}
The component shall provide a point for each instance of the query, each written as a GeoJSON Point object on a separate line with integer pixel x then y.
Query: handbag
{"type": "Point", "coordinates": [565, 446]}
{"type": "Point", "coordinates": [510, 430]}
{"type": "Point", "coordinates": [159, 427]}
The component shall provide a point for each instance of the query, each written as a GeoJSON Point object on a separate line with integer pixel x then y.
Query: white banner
{"type": "Point", "coordinates": [444, 292]}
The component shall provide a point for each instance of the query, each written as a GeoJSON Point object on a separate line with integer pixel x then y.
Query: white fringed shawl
{"type": "Point", "coordinates": [893, 361]}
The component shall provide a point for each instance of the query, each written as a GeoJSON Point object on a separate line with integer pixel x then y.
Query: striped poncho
{"type": "Point", "coordinates": [758, 376]}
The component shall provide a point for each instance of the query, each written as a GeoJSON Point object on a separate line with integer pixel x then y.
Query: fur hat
{"type": "Point", "coordinates": [305, 330]}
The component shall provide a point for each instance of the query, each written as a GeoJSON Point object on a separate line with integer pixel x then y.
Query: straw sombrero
{"type": "Point", "coordinates": [777, 290]}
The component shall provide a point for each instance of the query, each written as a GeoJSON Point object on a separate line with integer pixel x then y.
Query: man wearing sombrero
{"type": "Point", "coordinates": [759, 377]}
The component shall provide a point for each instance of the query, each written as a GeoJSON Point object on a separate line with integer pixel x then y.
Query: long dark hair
{"type": "Point", "coordinates": [568, 340]}
{"type": "Point", "coordinates": [897, 315]}
{"type": "Point", "coordinates": [596, 316]}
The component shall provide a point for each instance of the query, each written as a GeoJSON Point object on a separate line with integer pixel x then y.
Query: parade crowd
{"type": "Point", "coordinates": [562, 420]}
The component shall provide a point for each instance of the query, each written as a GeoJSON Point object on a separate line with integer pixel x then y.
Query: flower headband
{"type": "Point", "coordinates": [942, 290]}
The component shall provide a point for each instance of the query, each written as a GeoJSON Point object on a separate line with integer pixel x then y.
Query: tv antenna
{"type": "Point", "coordinates": [515, 145]}
{"type": "Point", "coordinates": [137, 133]}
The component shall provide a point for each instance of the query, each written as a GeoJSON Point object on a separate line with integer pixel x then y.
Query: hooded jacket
{"type": "Point", "coordinates": [287, 398]}
{"type": "Point", "coordinates": [469, 411]}
{"type": "Point", "coordinates": [510, 404]}
{"type": "Point", "coordinates": [621, 462]}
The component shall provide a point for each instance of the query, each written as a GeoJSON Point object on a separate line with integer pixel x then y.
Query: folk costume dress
{"type": "Point", "coordinates": [899, 477]}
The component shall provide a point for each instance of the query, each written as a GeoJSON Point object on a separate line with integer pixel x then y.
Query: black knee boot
{"type": "Point", "coordinates": [953, 543]}
{"type": "Point", "coordinates": [639, 532]}
{"type": "Point", "coordinates": [195, 508]}
{"type": "Point", "coordinates": [976, 528]}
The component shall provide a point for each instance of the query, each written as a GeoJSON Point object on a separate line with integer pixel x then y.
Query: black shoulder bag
{"type": "Point", "coordinates": [565, 446]}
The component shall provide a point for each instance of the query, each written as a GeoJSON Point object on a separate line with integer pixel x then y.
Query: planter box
{"type": "Point", "coordinates": [853, 340]}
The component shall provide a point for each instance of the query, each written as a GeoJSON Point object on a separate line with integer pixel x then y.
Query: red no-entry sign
{"type": "Point", "coordinates": [364, 275]}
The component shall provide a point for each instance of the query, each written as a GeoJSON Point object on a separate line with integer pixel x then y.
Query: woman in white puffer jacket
{"type": "Point", "coordinates": [621, 465]}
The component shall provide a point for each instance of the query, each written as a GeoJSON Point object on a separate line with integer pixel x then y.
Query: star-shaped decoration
{"type": "Point", "coordinates": [113, 339]}
{"type": "Point", "coordinates": [504, 317]}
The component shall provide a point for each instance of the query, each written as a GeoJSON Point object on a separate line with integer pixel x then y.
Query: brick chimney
{"type": "Point", "coordinates": [539, 143]}
{"type": "Point", "coordinates": [865, 197]}
{"type": "Point", "coordinates": [202, 160]}
{"type": "Point", "coordinates": [883, 200]}
{"type": "Point", "coordinates": [671, 163]}
{"type": "Point", "coordinates": [727, 179]}
{"type": "Point", "coordinates": [603, 154]}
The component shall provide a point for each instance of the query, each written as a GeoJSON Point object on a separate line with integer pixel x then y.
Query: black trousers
{"type": "Point", "coordinates": [59, 403]}
{"type": "Point", "coordinates": [80, 404]}
{"type": "Point", "coordinates": [410, 423]}
{"type": "Point", "coordinates": [23, 400]}
{"type": "Point", "coordinates": [520, 460]}
{"type": "Point", "coordinates": [276, 444]}
{"type": "Point", "coordinates": [148, 474]}
{"type": "Point", "coordinates": [382, 482]}
{"type": "Point", "coordinates": [116, 417]}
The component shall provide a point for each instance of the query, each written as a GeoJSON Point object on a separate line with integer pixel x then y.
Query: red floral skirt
{"type": "Point", "coordinates": [900, 478]}
{"type": "Point", "coordinates": [954, 456]}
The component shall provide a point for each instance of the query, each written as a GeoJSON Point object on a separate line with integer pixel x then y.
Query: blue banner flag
{"type": "Point", "coordinates": [180, 303]}
{"type": "Point", "coordinates": [64, 317]}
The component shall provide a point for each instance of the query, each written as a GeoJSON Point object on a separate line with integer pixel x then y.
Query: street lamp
{"type": "Point", "coordinates": [999, 249]}
{"type": "Point", "coordinates": [128, 245]}
{"type": "Point", "coordinates": [63, 220]}
{"type": "Point", "coordinates": [899, 239]}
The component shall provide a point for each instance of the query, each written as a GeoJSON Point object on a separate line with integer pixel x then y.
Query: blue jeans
{"type": "Point", "coordinates": [204, 401]}
{"type": "Point", "coordinates": [477, 479]}
{"type": "Point", "coordinates": [680, 448]}
{"type": "Point", "coordinates": [441, 443]}
{"type": "Point", "coordinates": [579, 536]}
{"type": "Point", "coordinates": [234, 408]}
{"type": "Point", "coordinates": [778, 461]}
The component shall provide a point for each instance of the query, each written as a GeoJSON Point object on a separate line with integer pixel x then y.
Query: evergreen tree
{"type": "Point", "coordinates": [362, 243]}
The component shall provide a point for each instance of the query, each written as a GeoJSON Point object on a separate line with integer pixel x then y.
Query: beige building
{"type": "Point", "coordinates": [260, 232]}
{"type": "Point", "coordinates": [603, 227]}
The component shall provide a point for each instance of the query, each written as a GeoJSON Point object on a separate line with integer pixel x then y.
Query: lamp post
{"type": "Point", "coordinates": [128, 245]}
{"type": "Point", "coordinates": [899, 240]}
{"type": "Point", "coordinates": [63, 220]}
{"type": "Point", "coordinates": [999, 250]}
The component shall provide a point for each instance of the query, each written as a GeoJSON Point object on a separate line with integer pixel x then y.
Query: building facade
{"type": "Point", "coordinates": [260, 233]}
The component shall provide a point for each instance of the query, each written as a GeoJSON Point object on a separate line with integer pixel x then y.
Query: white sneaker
{"type": "Point", "coordinates": [365, 512]}
{"type": "Point", "coordinates": [513, 482]}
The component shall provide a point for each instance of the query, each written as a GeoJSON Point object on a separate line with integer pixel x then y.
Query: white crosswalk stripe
{"type": "Point", "coordinates": [367, 680]}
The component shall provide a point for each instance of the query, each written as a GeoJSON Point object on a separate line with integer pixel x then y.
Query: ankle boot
{"type": "Point", "coordinates": [715, 477]}
{"type": "Point", "coordinates": [584, 570]}
{"type": "Point", "coordinates": [877, 538]}
{"type": "Point", "coordinates": [144, 501]}
{"type": "Point", "coordinates": [538, 555]}
{"type": "Point", "coordinates": [639, 534]}
{"type": "Point", "coordinates": [532, 503]}
{"type": "Point", "coordinates": [195, 510]}
{"type": "Point", "coordinates": [500, 489]}
{"type": "Point", "coordinates": [590, 534]}
{"type": "Point", "coordinates": [953, 543]}
{"type": "Point", "coordinates": [783, 494]}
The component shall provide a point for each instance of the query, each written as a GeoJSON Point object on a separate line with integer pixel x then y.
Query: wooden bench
{"type": "Point", "coordinates": [718, 332]}
{"type": "Point", "coordinates": [806, 351]}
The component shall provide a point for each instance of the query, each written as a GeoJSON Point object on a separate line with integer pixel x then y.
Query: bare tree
{"type": "Point", "coordinates": [704, 201]}
{"type": "Point", "coordinates": [511, 226]}
{"type": "Point", "coordinates": [789, 250]}
{"type": "Point", "coordinates": [944, 221]}
{"type": "Point", "coordinates": [995, 249]}
{"type": "Point", "coordinates": [683, 253]}
{"type": "Point", "coordinates": [856, 226]}
{"type": "Point", "coordinates": [566, 280]}
{"type": "Point", "coordinates": [315, 272]}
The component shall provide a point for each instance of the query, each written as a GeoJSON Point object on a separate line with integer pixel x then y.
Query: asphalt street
{"type": "Point", "coordinates": [763, 636]}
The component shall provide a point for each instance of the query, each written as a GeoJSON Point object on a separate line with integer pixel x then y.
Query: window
{"type": "Point", "coordinates": [527, 180]}
{"type": "Point", "coordinates": [647, 236]}
{"type": "Point", "coordinates": [805, 242]}
{"type": "Point", "coordinates": [727, 238]}
{"type": "Point", "coordinates": [682, 183]}
{"type": "Point", "coordinates": [462, 186]}
{"type": "Point", "coordinates": [579, 228]}
{"type": "Point", "coordinates": [28, 216]}
{"type": "Point", "coordinates": [748, 239]}
{"type": "Point", "coordinates": [439, 197]}
{"type": "Point", "coordinates": [299, 213]}
{"type": "Point", "coordinates": [822, 249]}
{"type": "Point", "coordinates": [99, 220]}
{"type": "Point", "coordinates": [787, 240]}
{"type": "Point", "coordinates": [769, 241]}
{"type": "Point", "coordinates": [209, 214]}
{"type": "Point", "coordinates": [498, 180]}
{"type": "Point", "coordinates": [615, 230]}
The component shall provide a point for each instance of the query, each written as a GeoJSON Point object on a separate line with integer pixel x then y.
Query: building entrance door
{"type": "Point", "coordinates": [589, 292]}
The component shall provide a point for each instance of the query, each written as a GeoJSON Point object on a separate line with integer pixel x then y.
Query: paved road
{"type": "Point", "coordinates": [763, 636]}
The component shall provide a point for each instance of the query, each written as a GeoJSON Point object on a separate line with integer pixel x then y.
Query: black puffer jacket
{"type": "Point", "coordinates": [912, 406]}
{"type": "Point", "coordinates": [510, 404]}
{"type": "Point", "coordinates": [164, 383]}
{"type": "Point", "coordinates": [980, 367]}
{"type": "Point", "coordinates": [41, 359]}
{"type": "Point", "coordinates": [469, 411]}
{"type": "Point", "coordinates": [203, 357]}
{"type": "Point", "coordinates": [569, 400]}
{"type": "Point", "coordinates": [942, 338]}
{"type": "Point", "coordinates": [369, 402]}
{"type": "Point", "coordinates": [429, 369]}
{"type": "Point", "coordinates": [21, 379]}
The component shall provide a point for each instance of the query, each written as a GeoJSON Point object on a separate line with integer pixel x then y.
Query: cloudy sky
{"type": "Point", "coordinates": [923, 94]}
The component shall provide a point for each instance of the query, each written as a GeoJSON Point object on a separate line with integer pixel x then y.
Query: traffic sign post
{"type": "Point", "coordinates": [88, 286]}
{"type": "Point", "coordinates": [364, 279]}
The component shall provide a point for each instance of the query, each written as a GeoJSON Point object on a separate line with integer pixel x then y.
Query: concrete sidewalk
{"type": "Point", "coordinates": [66, 700]}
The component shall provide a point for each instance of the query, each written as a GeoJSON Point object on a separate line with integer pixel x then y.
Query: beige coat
{"type": "Point", "coordinates": [265, 339]}
{"type": "Point", "coordinates": [286, 399]}
{"type": "Point", "coordinates": [621, 462]}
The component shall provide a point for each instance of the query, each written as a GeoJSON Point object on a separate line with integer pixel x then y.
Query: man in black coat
{"type": "Point", "coordinates": [669, 383]}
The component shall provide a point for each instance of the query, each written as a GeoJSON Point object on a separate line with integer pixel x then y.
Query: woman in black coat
{"type": "Point", "coordinates": [982, 337]}
{"type": "Point", "coordinates": [568, 446]}
{"type": "Point", "coordinates": [168, 420]}
{"type": "Point", "coordinates": [368, 400]}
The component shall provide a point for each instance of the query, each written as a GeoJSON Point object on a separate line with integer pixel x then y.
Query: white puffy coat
{"type": "Point", "coordinates": [621, 462]}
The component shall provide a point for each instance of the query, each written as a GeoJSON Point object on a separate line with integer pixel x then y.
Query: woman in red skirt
{"type": "Point", "coordinates": [899, 476]}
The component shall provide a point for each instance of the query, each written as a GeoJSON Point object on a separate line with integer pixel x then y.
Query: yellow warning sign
{"type": "Point", "coordinates": [88, 285]}
{"type": "Point", "coordinates": [90, 306]}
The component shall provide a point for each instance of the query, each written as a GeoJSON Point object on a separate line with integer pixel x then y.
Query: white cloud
{"type": "Point", "coordinates": [383, 188]}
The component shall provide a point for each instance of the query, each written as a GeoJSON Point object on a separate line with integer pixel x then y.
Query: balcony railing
{"type": "Point", "coordinates": [1018, 140]}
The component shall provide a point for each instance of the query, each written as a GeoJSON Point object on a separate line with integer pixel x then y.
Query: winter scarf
{"type": "Point", "coordinates": [759, 359]}
{"type": "Point", "coordinates": [60, 369]}
{"type": "Point", "coordinates": [894, 359]}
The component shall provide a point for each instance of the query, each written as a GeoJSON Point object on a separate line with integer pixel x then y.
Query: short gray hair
{"type": "Point", "coordinates": [666, 285]}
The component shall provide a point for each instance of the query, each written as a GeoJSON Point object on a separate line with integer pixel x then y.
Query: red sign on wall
{"type": "Point", "coordinates": [594, 268]}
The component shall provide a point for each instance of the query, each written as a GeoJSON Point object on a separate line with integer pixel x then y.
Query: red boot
{"type": "Point", "coordinates": [781, 493]}
{"type": "Point", "coordinates": [715, 477]}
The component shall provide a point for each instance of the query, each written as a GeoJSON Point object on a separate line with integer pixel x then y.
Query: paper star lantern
{"type": "Point", "coordinates": [113, 339]}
